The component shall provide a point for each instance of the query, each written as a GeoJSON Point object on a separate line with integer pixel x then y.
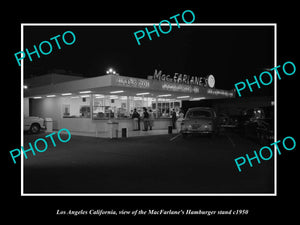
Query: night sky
{"type": "Point", "coordinates": [231, 54]}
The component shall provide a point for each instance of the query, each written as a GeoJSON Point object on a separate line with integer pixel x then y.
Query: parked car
{"type": "Point", "coordinates": [261, 130]}
{"type": "Point", "coordinates": [199, 120]}
{"type": "Point", "coordinates": [228, 121]}
{"type": "Point", "coordinates": [34, 124]}
{"type": "Point", "coordinates": [259, 125]}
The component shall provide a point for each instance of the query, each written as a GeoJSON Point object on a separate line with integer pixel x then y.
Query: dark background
{"type": "Point", "coordinates": [231, 54]}
{"type": "Point", "coordinates": [284, 15]}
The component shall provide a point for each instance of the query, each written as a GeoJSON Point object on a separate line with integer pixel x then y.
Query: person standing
{"type": "Point", "coordinates": [179, 120]}
{"type": "Point", "coordinates": [136, 120]}
{"type": "Point", "coordinates": [145, 119]}
{"type": "Point", "coordinates": [151, 119]}
{"type": "Point", "coordinates": [174, 118]}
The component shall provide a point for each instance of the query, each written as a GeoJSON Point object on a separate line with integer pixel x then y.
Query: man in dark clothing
{"type": "Point", "coordinates": [136, 119]}
{"type": "Point", "coordinates": [145, 119]}
{"type": "Point", "coordinates": [174, 118]}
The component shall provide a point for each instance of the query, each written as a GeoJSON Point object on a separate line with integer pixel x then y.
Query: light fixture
{"type": "Point", "coordinates": [113, 97]}
{"type": "Point", "coordinates": [65, 94]}
{"type": "Point", "coordinates": [37, 97]}
{"type": "Point", "coordinates": [145, 93]}
{"type": "Point", "coordinates": [197, 99]}
{"type": "Point", "coordinates": [187, 96]}
{"type": "Point", "coordinates": [50, 96]}
{"type": "Point", "coordinates": [25, 86]}
{"type": "Point", "coordinates": [111, 71]}
{"type": "Point", "coordinates": [84, 96]}
{"type": "Point", "coordinates": [115, 92]}
{"type": "Point", "coordinates": [166, 95]}
{"type": "Point", "coordinates": [84, 92]}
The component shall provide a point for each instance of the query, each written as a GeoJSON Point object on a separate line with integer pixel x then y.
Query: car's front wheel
{"type": "Point", "coordinates": [35, 128]}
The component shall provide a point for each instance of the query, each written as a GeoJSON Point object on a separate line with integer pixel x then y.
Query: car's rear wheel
{"type": "Point", "coordinates": [35, 128]}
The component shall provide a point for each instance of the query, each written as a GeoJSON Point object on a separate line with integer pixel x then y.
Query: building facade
{"type": "Point", "coordinates": [87, 105]}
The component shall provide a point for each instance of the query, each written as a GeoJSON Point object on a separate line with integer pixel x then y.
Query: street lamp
{"type": "Point", "coordinates": [111, 71]}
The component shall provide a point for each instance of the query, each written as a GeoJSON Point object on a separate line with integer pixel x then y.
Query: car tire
{"type": "Point", "coordinates": [35, 128]}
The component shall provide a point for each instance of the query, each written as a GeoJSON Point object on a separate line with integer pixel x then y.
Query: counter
{"type": "Point", "coordinates": [101, 125]}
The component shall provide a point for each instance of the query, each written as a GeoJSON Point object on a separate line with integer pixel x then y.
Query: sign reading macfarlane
{"type": "Point", "coordinates": [208, 81]}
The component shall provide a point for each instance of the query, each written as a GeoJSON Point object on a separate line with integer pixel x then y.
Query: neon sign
{"type": "Point", "coordinates": [180, 87]}
{"type": "Point", "coordinates": [132, 82]}
{"type": "Point", "coordinates": [220, 92]}
{"type": "Point", "coordinates": [208, 81]}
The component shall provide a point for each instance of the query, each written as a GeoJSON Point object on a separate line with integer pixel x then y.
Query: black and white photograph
{"type": "Point", "coordinates": [138, 112]}
{"type": "Point", "coordinates": [159, 118]}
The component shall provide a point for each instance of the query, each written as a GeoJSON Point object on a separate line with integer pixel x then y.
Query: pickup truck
{"type": "Point", "coordinates": [34, 124]}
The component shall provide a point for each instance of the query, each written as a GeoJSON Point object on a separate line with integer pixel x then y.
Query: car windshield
{"type": "Point", "coordinates": [198, 113]}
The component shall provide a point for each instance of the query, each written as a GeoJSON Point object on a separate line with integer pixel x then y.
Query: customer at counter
{"type": "Point", "coordinates": [151, 119]}
{"type": "Point", "coordinates": [145, 119]}
{"type": "Point", "coordinates": [136, 120]}
{"type": "Point", "coordinates": [179, 120]}
{"type": "Point", "coordinates": [174, 118]}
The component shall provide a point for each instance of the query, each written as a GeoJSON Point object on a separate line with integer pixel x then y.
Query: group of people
{"type": "Point", "coordinates": [148, 119]}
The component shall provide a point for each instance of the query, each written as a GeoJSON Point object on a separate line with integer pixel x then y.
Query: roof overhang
{"type": "Point", "coordinates": [130, 87]}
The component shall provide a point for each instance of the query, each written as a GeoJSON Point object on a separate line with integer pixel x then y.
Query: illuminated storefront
{"type": "Point", "coordinates": [86, 104]}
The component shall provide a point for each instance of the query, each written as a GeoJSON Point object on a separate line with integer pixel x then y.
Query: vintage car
{"type": "Point", "coordinates": [199, 120]}
{"type": "Point", "coordinates": [33, 124]}
{"type": "Point", "coordinates": [259, 125]}
{"type": "Point", "coordinates": [228, 121]}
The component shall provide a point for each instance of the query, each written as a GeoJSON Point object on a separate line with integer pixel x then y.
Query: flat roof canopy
{"type": "Point", "coordinates": [128, 86]}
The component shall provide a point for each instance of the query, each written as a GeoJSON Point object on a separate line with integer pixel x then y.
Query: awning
{"type": "Point", "coordinates": [129, 86]}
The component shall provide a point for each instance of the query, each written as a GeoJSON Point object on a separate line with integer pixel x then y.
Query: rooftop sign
{"type": "Point", "coordinates": [132, 82]}
{"type": "Point", "coordinates": [208, 81]}
{"type": "Point", "coordinates": [97, 84]}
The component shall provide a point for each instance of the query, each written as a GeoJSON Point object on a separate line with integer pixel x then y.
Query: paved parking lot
{"type": "Point", "coordinates": [154, 164]}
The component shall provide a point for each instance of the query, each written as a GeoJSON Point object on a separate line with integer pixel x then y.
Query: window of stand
{"type": "Point", "coordinates": [164, 107]}
{"type": "Point", "coordinates": [114, 106]}
{"type": "Point", "coordinates": [76, 107]}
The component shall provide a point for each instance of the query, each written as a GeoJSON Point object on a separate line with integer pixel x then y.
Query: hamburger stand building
{"type": "Point", "coordinates": [92, 106]}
